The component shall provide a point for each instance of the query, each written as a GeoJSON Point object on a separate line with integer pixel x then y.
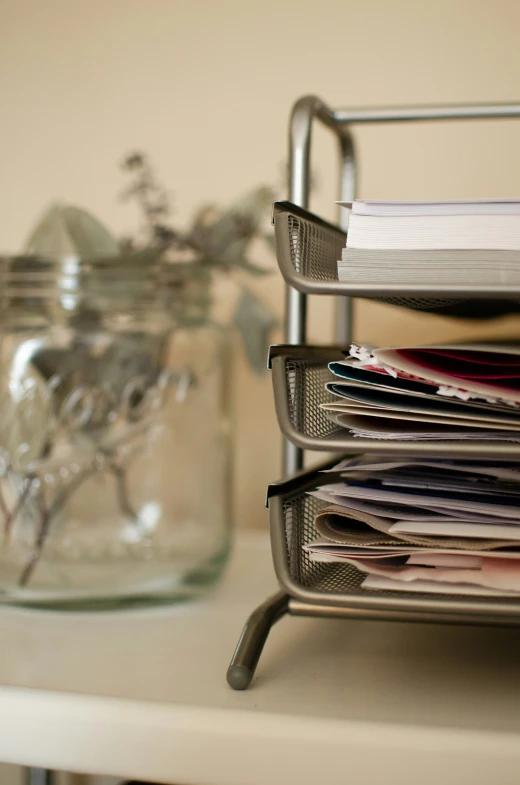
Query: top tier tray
{"type": "Point", "coordinates": [308, 249]}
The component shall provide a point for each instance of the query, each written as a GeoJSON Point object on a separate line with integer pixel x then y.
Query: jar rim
{"type": "Point", "coordinates": [41, 276]}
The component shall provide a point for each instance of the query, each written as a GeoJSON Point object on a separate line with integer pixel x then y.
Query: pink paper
{"type": "Point", "coordinates": [502, 574]}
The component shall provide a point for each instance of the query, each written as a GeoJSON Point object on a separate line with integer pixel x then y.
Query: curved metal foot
{"type": "Point", "coordinates": [254, 635]}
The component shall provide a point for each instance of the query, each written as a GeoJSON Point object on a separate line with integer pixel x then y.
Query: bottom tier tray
{"type": "Point", "coordinates": [291, 514]}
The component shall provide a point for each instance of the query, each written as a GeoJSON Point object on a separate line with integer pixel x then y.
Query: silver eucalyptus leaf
{"type": "Point", "coordinates": [65, 230]}
{"type": "Point", "coordinates": [270, 241]}
{"type": "Point", "coordinates": [255, 322]}
{"type": "Point", "coordinates": [26, 419]}
{"type": "Point", "coordinates": [226, 239]}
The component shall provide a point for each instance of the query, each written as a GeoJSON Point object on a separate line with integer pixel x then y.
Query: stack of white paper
{"type": "Point", "coordinates": [455, 242]}
{"type": "Point", "coordinates": [452, 392]}
{"type": "Point", "coordinates": [419, 524]}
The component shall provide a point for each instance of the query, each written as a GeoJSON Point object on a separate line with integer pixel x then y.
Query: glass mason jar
{"type": "Point", "coordinates": [114, 436]}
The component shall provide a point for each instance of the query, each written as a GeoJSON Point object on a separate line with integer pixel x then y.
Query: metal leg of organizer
{"type": "Point", "coordinates": [254, 635]}
{"type": "Point", "coordinates": [305, 111]}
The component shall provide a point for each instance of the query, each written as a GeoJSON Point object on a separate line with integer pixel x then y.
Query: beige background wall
{"type": "Point", "coordinates": [205, 87]}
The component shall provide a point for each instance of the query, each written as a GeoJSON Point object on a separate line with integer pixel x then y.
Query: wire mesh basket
{"type": "Point", "coordinates": [300, 375]}
{"type": "Point", "coordinates": [308, 249]}
{"type": "Point", "coordinates": [291, 513]}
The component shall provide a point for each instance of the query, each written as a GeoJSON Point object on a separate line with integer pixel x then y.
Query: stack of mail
{"type": "Point", "coordinates": [423, 525]}
{"type": "Point", "coordinates": [461, 242]}
{"type": "Point", "coordinates": [455, 392]}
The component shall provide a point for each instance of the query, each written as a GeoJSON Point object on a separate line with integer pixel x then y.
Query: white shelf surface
{"type": "Point", "coordinates": [142, 694]}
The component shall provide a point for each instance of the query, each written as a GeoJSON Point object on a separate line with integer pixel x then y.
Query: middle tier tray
{"type": "Point", "coordinates": [300, 374]}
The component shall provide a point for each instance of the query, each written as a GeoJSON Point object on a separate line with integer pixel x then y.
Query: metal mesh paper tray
{"type": "Point", "coordinates": [291, 514]}
{"type": "Point", "coordinates": [300, 374]}
{"type": "Point", "coordinates": [308, 250]}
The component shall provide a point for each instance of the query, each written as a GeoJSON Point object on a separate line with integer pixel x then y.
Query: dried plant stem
{"type": "Point", "coordinates": [3, 506]}
{"type": "Point", "coordinates": [123, 495]}
{"type": "Point", "coordinates": [10, 515]}
{"type": "Point", "coordinates": [47, 514]}
{"type": "Point", "coordinates": [42, 533]}
{"type": "Point", "coordinates": [4, 509]}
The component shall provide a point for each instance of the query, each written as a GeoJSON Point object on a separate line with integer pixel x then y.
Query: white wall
{"type": "Point", "coordinates": [206, 87]}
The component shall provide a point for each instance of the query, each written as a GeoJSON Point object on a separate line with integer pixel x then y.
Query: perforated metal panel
{"type": "Point", "coordinates": [423, 303]}
{"type": "Point", "coordinates": [306, 380]}
{"type": "Point", "coordinates": [315, 249]}
{"type": "Point", "coordinates": [299, 531]}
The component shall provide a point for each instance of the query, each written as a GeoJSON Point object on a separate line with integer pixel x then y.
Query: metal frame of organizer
{"type": "Point", "coordinates": [307, 250]}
